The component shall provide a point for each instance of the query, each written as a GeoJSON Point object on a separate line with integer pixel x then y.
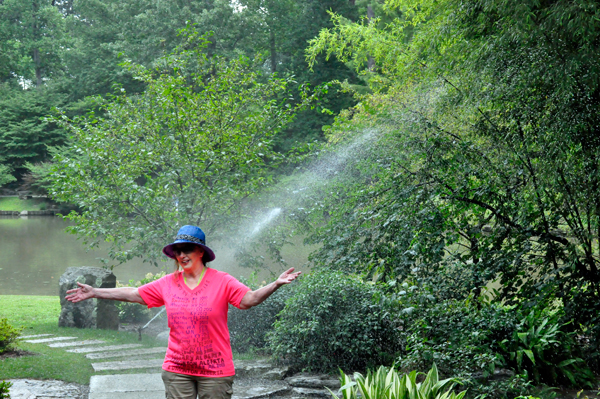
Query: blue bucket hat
{"type": "Point", "coordinates": [190, 235]}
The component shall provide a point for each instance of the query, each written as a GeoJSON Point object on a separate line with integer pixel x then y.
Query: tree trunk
{"type": "Point", "coordinates": [36, 51]}
{"type": "Point", "coordinates": [273, 51]}
{"type": "Point", "coordinates": [38, 70]}
{"type": "Point", "coordinates": [370, 16]}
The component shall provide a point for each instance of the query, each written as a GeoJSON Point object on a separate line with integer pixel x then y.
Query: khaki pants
{"type": "Point", "coordinates": [182, 386]}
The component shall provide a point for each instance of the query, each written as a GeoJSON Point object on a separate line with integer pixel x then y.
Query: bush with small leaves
{"type": "Point", "coordinates": [334, 321]}
{"type": "Point", "coordinates": [248, 328]}
{"type": "Point", "coordinates": [8, 335]}
{"type": "Point", "coordinates": [130, 312]}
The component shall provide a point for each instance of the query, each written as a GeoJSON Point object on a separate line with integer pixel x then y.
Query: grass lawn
{"type": "Point", "coordinates": [39, 315]}
{"type": "Point", "coordinates": [15, 204]}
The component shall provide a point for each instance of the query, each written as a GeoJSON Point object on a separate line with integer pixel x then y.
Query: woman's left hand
{"type": "Point", "coordinates": [287, 277]}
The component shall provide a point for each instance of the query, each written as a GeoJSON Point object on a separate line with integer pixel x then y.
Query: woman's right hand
{"type": "Point", "coordinates": [80, 293]}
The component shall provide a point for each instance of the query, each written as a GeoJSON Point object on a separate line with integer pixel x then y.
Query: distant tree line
{"type": "Point", "coordinates": [57, 54]}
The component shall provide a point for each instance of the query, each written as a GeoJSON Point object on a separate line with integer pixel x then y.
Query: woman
{"type": "Point", "coordinates": [198, 362]}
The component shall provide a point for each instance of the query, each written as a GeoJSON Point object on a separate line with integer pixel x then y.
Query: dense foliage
{"type": "Point", "coordinates": [334, 320]}
{"type": "Point", "coordinates": [455, 206]}
{"type": "Point", "coordinates": [248, 329]}
{"type": "Point", "coordinates": [485, 166]}
{"type": "Point", "coordinates": [191, 149]}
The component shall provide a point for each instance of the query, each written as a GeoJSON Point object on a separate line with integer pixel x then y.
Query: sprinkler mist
{"type": "Point", "coordinates": [258, 226]}
{"type": "Point", "coordinates": [288, 195]}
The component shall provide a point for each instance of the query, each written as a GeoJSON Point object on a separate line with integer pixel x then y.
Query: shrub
{"type": "Point", "coordinates": [248, 328]}
{"type": "Point", "coordinates": [334, 320]}
{"type": "Point", "coordinates": [8, 335]}
{"type": "Point", "coordinates": [130, 312]}
{"type": "Point", "coordinates": [384, 384]}
{"type": "Point", "coordinates": [460, 336]}
{"type": "Point", "coordinates": [4, 388]}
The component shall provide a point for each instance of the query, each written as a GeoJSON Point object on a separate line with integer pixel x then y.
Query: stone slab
{"type": "Point", "coordinates": [130, 395]}
{"type": "Point", "coordinates": [127, 386]}
{"type": "Point", "coordinates": [46, 340]}
{"type": "Point", "coordinates": [128, 364]}
{"type": "Point", "coordinates": [38, 389]}
{"type": "Point", "coordinates": [126, 383]}
{"type": "Point", "coordinates": [76, 343]}
{"type": "Point", "coordinates": [35, 336]}
{"type": "Point", "coordinates": [103, 348]}
{"type": "Point", "coordinates": [134, 352]}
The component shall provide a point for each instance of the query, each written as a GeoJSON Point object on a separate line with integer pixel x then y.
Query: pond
{"type": "Point", "coordinates": [35, 252]}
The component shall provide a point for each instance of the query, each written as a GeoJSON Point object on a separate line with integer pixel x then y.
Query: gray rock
{"type": "Point", "coordinates": [252, 368]}
{"type": "Point", "coordinates": [93, 313]}
{"type": "Point", "coordinates": [311, 393]}
{"type": "Point", "coordinates": [276, 374]}
{"type": "Point", "coordinates": [163, 337]}
{"type": "Point", "coordinates": [499, 375]}
{"type": "Point", "coordinates": [255, 389]}
{"type": "Point", "coordinates": [313, 381]}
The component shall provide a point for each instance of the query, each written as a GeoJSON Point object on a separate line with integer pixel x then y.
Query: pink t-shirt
{"type": "Point", "coordinates": [199, 340]}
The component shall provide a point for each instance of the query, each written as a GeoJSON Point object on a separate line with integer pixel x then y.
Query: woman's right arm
{"type": "Point", "coordinates": [124, 294]}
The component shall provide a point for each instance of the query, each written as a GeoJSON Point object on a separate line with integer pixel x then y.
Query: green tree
{"type": "Point", "coordinates": [25, 134]}
{"type": "Point", "coordinates": [105, 33]}
{"type": "Point", "coordinates": [32, 34]}
{"type": "Point", "coordinates": [193, 148]}
{"type": "Point", "coordinates": [6, 174]}
{"type": "Point", "coordinates": [281, 30]}
{"type": "Point", "coordinates": [488, 165]}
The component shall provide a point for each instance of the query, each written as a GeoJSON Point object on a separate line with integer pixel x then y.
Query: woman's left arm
{"type": "Point", "coordinates": [253, 298]}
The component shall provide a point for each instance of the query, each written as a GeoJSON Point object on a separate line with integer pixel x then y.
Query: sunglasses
{"type": "Point", "coordinates": [184, 248]}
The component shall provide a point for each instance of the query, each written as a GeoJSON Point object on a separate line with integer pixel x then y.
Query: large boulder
{"type": "Point", "coordinates": [93, 313]}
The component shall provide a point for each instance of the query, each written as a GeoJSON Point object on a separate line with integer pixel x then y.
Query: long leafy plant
{"type": "Point", "coordinates": [389, 384]}
{"type": "Point", "coordinates": [542, 349]}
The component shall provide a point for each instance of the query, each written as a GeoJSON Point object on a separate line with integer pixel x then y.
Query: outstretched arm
{"type": "Point", "coordinates": [253, 298]}
{"type": "Point", "coordinates": [84, 291]}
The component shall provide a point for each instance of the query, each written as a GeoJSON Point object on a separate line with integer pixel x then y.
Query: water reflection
{"type": "Point", "coordinates": [35, 251]}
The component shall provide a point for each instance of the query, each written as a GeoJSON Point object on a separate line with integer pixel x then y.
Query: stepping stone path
{"type": "Point", "coordinates": [254, 379]}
